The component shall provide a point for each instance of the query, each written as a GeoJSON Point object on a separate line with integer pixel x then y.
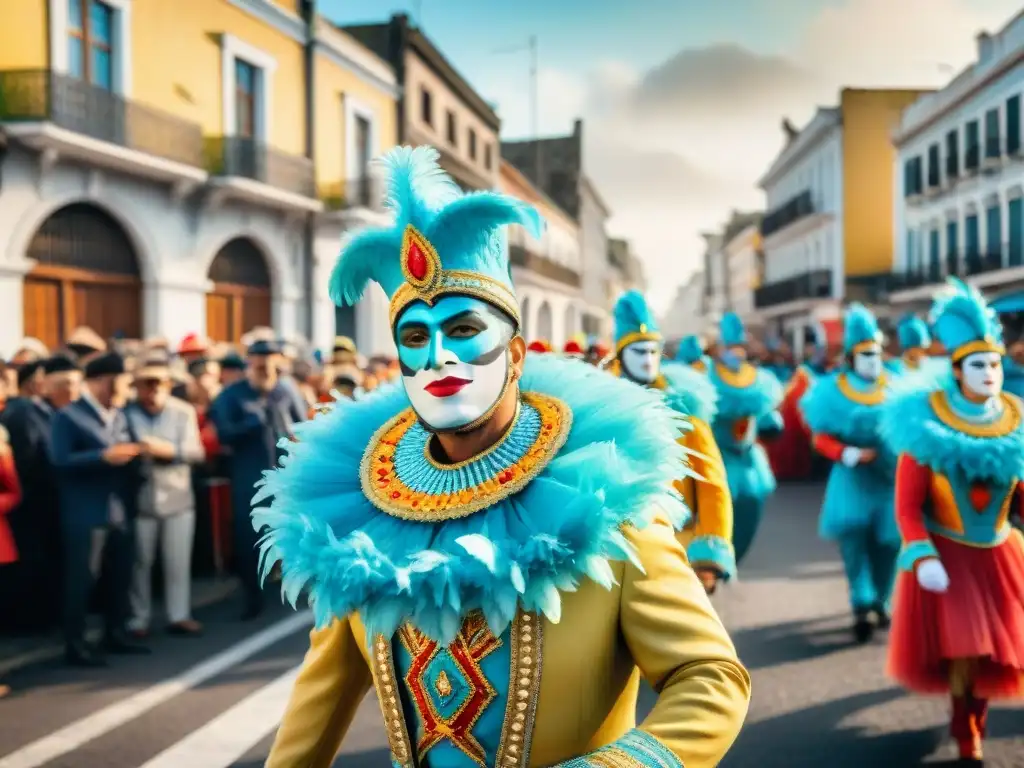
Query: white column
{"type": "Point", "coordinates": [174, 310]}
{"type": "Point", "coordinates": [12, 295]}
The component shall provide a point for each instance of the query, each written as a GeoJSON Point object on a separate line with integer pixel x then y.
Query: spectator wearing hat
{"type": "Point", "coordinates": [97, 463]}
{"type": "Point", "coordinates": [344, 351]}
{"type": "Point", "coordinates": [250, 417]}
{"type": "Point", "coordinates": [36, 579]}
{"type": "Point", "coordinates": [232, 368]}
{"type": "Point", "coordinates": [169, 430]}
{"type": "Point", "coordinates": [29, 381]}
{"type": "Point", "coordinates": [84, 343]}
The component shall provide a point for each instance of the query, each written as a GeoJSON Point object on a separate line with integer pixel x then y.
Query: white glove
{"type": "Point", "coordinates": [932, 576]}
{"type": "Point", "coordinates": [851, 456]}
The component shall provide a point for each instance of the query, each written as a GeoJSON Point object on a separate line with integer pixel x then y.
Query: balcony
{"type": "Point", "coordinates": [521, 256]}
{"type": "Point", "coordinates": [355, 201]}
{"type": "Point", "coordinates": [59, 116]}
{"type": "Point", "coordinates": [792, 210]}
{"type": "Point", "coordinates": [246, 169]}
{"type": "Point", "coordinates": [810, 285]}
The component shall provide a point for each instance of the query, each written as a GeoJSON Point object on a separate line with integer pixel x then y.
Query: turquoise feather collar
{"type": "Point", "coordinates": [615, 468]}
{"type": "Point", "coordinates": [827, 410]}
{"type": "Point", "coordinates": [689, 391]}
{"type": "Point", "coordinates": [762, 396]}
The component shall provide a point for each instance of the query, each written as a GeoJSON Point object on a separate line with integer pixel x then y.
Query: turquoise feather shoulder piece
{"type": "Point", "coordinates": [689, 391]}
{"type": "Point", "coordinates": [826, 410]}
{"type": "Point", "coordinates": [758, 399]}
{"type": "Point", "coordinates": [910, 425]}
{"type": "Point", "coordinates": [615, 468]}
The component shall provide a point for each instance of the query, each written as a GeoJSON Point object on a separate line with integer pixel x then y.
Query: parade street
{"type": "Point", "coordinates": [215, 702]}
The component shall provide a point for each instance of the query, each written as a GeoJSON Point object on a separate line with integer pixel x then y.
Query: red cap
{"type": "Point", "coordinates": [539, 346]}
{"type": "Point", "coordinates": [573, 347]}
{"type": "Point", "coordinates": [192, 344]}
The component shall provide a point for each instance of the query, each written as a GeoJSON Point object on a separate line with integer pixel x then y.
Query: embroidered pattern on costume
{"type": "Point", "coordinates": [448, 687]}
{"type": "Point", "coordinates": [398, 481]}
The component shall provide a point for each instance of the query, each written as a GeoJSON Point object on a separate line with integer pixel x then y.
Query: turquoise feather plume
{"type": "Point", "coordinates": [616, 468]}
{"type": "Point", "coordinates": [689, 392]}
{"type": "Point", "coordinates": [960, 315]}
{"type": "Point", "coordinates": [913, 333]}
{"type": "Point", "coordinates": [632, 312]}
{"type": "Point", "coordinates": [465, 229]}
{"type": "Point", "coordinates": [690, 350]}
{"type": "Point", "coordinates": [859, 326]}
{"type": "Point", "coordinates": [731, 331]}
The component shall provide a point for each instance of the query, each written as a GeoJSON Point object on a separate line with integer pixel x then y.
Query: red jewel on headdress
{"type": "Point", "coordinates": [416, 261]}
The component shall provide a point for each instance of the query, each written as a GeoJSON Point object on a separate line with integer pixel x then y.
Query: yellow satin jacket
{"type": "Point", "coordinates": [575, 691]}
{"type": "Point", "coordinates": [708, 500]}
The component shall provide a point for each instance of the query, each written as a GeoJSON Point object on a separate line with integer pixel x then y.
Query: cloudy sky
{"type": "Point", "coordinates": [683, 99]}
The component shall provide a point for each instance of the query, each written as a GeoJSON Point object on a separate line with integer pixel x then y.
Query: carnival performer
{"type": "Point", "coordinates": [748, 402]}
{"type": "Point", "coordinates": [843, 411]}
{"type": "Point", "coordinates": [958, 621]}
{"type": "Point", "coordinates": [790, 454]}
{"type": "Point", "coordinates": [484, 544]}
{"type": "Point", "coordinates": [707, 534]}
{"type": "Point", "coordinates": [915, 341]}
{"type": "Point", "coordinates": [691, 352]}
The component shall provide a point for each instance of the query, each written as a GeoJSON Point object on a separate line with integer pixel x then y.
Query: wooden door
{"type": "Point", "coordinates": [42, 310]}
{"type": "Point", "coordinates": [255, 308]}
{"type": "Point", "coordinates": [234, 310]}
{"type": "Point", "coordinates": [110, 309]}
{"type": "Point", "coordinates": [219, 320]}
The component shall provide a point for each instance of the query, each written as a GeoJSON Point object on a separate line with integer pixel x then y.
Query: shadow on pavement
{"type": "Point", "coordinates": [1005, 724]}
{"type": "Point", "coordinates": [764, 647]}
{"type": "Point", "coordinates": [812, 737]}
{"type": "Point", "coordinates": [377, 758]}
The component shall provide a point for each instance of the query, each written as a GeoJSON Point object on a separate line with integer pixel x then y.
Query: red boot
{"type": "Point", "coordinates": [967, 726]}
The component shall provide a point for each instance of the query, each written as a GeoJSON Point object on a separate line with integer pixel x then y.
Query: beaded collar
{"type": "Point", "coordinates": [400, 476]}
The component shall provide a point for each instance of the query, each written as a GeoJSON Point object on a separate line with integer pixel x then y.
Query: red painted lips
{"type": "Point", "coordinates": [446, 387]}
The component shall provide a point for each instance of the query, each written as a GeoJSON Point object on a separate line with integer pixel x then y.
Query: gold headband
{"type": "Point", "coordinates": [863, 345]}
{"type": "Point", "coordinates": [644, 334]}
{"type": "Point", "coordinates": [426, 280]}
{"type": "Point", "coordinates": [988, 344]}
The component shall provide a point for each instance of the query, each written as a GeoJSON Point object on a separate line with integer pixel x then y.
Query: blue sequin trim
{"type": "Point", "coordinates": [635, 747]}
{"type": "Point", "coordinates": [423, 477]}
{"type": "Point", "coordinates": [714, 551]}
{"type": "Point", "coordinates": [913, 553]}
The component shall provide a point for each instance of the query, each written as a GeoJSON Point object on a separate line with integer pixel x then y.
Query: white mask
{"type": "Point", "coordinates": [641, 361]}
{"type": "Point", "coordinates": [868, 363]}
{"type": "Point", "coordinates": [455, 360]}
{"type": "Point", "coordinates": [982, 374]}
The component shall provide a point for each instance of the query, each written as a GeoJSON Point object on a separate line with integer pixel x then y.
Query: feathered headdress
{"type": "Point", "coordinates": [913, 333]}
{"type": "Point", "coordinates": [860, 329]}
{"type": "Point", "coordinates": [964, 322]}
{"type": "Point", "coordinates": [690, 350]}
{"type": "Point", "coordinates": [731, 332]}
{"type": "Point", "coordinates": [441, 242]}
{"type": "Point", "coordinates": [634, 321]}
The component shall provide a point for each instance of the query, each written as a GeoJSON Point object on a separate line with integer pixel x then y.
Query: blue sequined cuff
{"type": "Point", "coordinates": [914, 552]}
{"type": "Point", "coordinates": [713, 552]}
{"type": "Point", "coordinates": [635, 748]}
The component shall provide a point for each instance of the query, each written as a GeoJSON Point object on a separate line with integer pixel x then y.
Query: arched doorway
{"type": "Point", "coordinates": [240, 299]}
{"type": "Point", "coordinates": [545, 329]}
{"type": "Point", "coordinates": [86, 273]}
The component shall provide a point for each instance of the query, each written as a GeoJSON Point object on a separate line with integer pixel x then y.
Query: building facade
{"type": "Point", "coordinates": [742, 258]}
{"type": "Point", "coordinates": [827, 232]}
{"type": "Point", "coordinates": [546, 272]}
{"type": "Point", "coordinates": [165, 171]}
{"type": "Point", "coordinates": [555, 165]}
{"type": "Point", "coordinates": [715, 301]}
{"type": "Point", "coordinates": [959, 203]}
{"type": "Point", "coordinates": [685, 314]}
{"type": "Point", "coordinates": [437, 106]}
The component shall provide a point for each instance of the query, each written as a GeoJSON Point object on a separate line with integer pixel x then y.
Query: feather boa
{"type": "Point", "coordinates": [689, 392]}
{"type": "Point", "coordinates": [909, 425]}
{"type": "Point", "coordinates": [826, 410]}
{"type": "Point", "coordinates": [616, 468]}
{"type": "Point", "coordinates": [759, 399]}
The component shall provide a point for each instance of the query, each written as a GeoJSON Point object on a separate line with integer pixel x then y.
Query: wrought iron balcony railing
{"type": "Point", "coordinates": [792, 210]}
{"type": "Point", "coordinates": [816, 284]}
{"type": "Point", "coordinates": [251, 159]}
{"type": "Point", "coordinates": [41, 95]}
{"type": "Point", "coordinates": [527, 259]}
{"type": "Point", "coordinates": [360, 192]}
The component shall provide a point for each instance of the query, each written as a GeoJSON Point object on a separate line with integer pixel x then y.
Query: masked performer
{"type": "Point", "coordinates": [843, 411]}
{"type": "Point", "coordinates": [707, 535]}
{"type": "Point", "coordinates": [915, 341]}
{"type": "Point", "coordinates": [483, 545]}
{"type": "Point", "coordinates": [958, 621]}
{"type": "Point", "coordinates": [748, 401]}
{"type": "Point", "coordinates": [691, 353]}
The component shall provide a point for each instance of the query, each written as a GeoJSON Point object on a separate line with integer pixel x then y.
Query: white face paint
{"type": "Point", "coordinates": [868, 363]}
{"type": "Point", "coordinates": [982, 374]}
{"type": "Point", "coordinates": [642, 361]}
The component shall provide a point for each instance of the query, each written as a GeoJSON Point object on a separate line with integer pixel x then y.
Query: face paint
{"type": "Point", "coordinates": [982, 374]}
{"type": "Point", "coordinates": [454, 359]}
{"type": "Point", "coordinates": [642, 361]}
{"type": "Point", "coordinates": [868, 363]}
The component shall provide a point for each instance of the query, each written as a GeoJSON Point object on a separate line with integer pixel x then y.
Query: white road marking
{"type": "Point", "coordinates": [226, 738]}
{"type": "Point", "coordinates": [91, 727]}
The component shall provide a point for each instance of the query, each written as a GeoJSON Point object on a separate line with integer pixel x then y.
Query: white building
{"type": "Point", "coordinates": [715, 288]}
{"type": "Point", "coordinates": [958, 207]}
{"type": "Point", "coordinates": [802, 229]}
{"type": "Point", "coordinates": [685, 315]}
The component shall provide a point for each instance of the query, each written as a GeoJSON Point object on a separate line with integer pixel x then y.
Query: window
{"type": "Point", "coordinates": [90, 42]}
{"type": "Point", "coordinates": [472, 144]}
{"type": "Point", "coordinates": [913, 263]}
{"type": "Point", "coordinates": [1016, 220]}
{"type": "Point", "coordinates": [971, 240]}
{"type": "Point", "coordinates": [934, 173]}
{"type": "Point", "coordinates": [952, 248]}
{"type": "Point", "coordinates": [933, 254]}
{"type": "Point", "coordinates": [488, 159]}
{"type": "Point", "coordinates": [973, 158]}
{"type": "Point", "coordinates": [912, 181]}
{"type": "Point", "coordinates": [246, 99]}
{"type": "Point", "coordinates": [1013, 125]}
{"type": "Point", "coordinates": [453, 130]}
{"type": "Point", "coordinates": [993, 146]}
{"type": "Point", "coordinates": [426, 107]}
{"type": "Point", "coordinates": [993, 230]}
{"type": "Point", "coordinates": [364, 148]}
{"type": "Point", "coordinates": [952, 154]}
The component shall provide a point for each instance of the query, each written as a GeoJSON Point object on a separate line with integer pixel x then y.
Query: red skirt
{"type": "Point", "coordinates": [790, 452]}
{"type": "Point", "coordinates": [980, 618]}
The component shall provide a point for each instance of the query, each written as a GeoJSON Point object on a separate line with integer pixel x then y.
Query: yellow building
{"type": "Point", "coordinates": [165, 168]}
{"type": "Point", "coordinates": [828, 229]}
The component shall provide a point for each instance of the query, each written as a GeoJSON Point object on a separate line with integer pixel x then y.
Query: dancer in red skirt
{"type": "Point", "coordinates": [958, 622]}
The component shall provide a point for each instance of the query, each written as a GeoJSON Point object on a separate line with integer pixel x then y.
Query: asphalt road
{"type": "Point", "coordinates": [214, 702]}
